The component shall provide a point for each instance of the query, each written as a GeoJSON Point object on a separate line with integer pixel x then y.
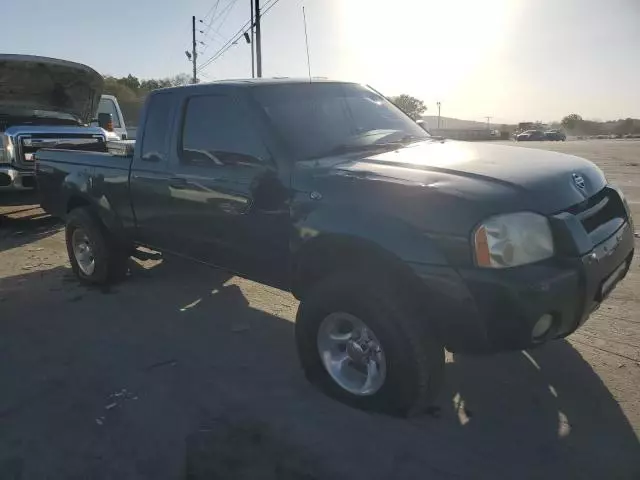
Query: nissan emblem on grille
{"type": "Point", "coordinates": [578, 181]}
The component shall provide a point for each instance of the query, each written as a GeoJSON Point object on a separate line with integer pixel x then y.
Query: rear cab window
{"type": "Point", "coordinates": [157, 128]}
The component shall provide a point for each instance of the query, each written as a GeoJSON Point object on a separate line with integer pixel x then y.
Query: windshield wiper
{"type": "Point", "coordinates": [345, 148]}
{"type": "Point", "coordinates": [351, 148]}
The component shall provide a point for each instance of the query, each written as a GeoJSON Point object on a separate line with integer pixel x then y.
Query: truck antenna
{"type": "Point", "coordinates": [306, 40]}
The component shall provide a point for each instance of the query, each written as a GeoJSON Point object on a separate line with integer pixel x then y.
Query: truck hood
{"type": "Point", "coordinates": [506, 178]}
{"type": "Point", "coordinates": [39, 83]}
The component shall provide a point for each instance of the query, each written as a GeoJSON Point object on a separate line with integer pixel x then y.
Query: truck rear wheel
{"type": "Point", "coordinates": [360, 344]}
{"type": "Point", "coordinates": [94, 257]}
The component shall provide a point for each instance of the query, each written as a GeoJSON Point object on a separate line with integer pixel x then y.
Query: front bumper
{"type": "Point", "coordinates": [484, 310]}
{"type": "Point", "coordinates": [12, 180]}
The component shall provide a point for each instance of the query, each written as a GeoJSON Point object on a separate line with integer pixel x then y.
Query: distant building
{"type": "Point", "coordinates": [454, 123]}
{"type": "Point", "coordinates": [464, 133]}
{"type": "Point", "coordinates": [457, 129]}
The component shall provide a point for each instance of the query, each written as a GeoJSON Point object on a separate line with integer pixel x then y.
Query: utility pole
{"type": "Point", "coordinates": [258, 41]}
{"type": "Point", "coordinates": [194, 54]}
{"type": "Point", "coordinates": [438, 103]}
{"type": "Point", "coordinates": [253, 61]}
{"type": "Point", "coordinates": [488, 122]}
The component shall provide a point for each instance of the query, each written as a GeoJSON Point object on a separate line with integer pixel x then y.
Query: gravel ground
{"type": "Point", "coordinates": [184, 372]}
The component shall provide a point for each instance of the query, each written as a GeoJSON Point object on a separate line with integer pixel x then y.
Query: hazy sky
{"type": "Point", "coordinates": [515, 60]}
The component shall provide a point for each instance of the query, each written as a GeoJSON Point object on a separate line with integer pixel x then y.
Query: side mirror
{"type": "Point", "coordinates": [424, 125]}
{"type": "Point", "coordinates": [105, 120]}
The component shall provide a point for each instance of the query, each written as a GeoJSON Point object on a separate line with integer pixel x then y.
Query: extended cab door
{"type": "Point", "coordinates": [229, 197]}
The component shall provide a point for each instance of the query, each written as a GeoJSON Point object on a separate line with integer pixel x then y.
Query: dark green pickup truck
{"type": "Point", "coordinates": [398, 244]}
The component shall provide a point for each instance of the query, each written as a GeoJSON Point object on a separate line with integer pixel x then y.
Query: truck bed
{"type": "Point", "coordinates": [61, 173]}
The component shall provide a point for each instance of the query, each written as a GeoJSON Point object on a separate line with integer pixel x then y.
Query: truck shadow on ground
{"type": "Point", "coordinates": [546, 409]}
{"type": "Point", "coordinates": [24, 224]}
{"type": "Point", "coordinates": [221, 394]}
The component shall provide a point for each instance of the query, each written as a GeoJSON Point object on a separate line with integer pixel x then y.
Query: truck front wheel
{"type": "Point", "coordinates": [94, 257]}
{"type": "Point", "coordinates": [360, 344]}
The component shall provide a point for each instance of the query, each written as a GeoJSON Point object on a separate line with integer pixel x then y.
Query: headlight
{"type": "Point", "coordinates": [625, 204]}
{"type": "Point", "coordinates": [513, 239]}
{"type": "Point", "coordinates": [6, 149]}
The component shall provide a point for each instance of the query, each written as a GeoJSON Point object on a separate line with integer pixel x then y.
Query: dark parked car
{"type": "Point", "coordinates": [531, 135]}
{"type": "Point", "coordinates": [555, 135]}
{"type": "Point", "coordinates": [398, 244]}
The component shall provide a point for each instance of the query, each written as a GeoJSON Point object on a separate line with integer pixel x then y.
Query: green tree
{"type": "Point", "coordinates": [180, 80]}
{"type": "Point", "coordinates": [130, 81]}
{"type": "Point", "coordinates": [151, 84]}
{"type": "Point", "coordinates": [113, 86]}
{"type": "Point", "coordinates": [572, 121]}
{"type": "Point", "coordinates": [412, 106]}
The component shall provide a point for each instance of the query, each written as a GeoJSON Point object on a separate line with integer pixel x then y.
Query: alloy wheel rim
{"type": "Point", "coordinates": [352, 354]}
{"type": "Point", "coordinates": [83, 252]}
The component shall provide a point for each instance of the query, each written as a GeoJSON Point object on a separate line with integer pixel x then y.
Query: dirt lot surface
{"type": "Point", "coordinates": [184, 372]}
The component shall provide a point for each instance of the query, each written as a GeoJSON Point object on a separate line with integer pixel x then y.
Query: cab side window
{"type": "Point", "coordinates": [215, 134]}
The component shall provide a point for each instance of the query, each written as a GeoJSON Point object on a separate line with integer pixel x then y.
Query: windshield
{"type": "Point", "coordinates": [318, 119]}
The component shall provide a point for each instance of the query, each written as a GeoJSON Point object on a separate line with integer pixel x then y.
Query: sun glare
{"type": "Point", "coordinates": [427, 48]}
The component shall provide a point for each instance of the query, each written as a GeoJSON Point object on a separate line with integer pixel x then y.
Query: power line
{"type": "Point", "coordinates": [225, 47]}
{"type": "Point", "coordinates": [223, 15]}
{"type": "Point", "coordinates": [235, 37]}
{"type": "Point", "coordinates": [269, 7]}
{"type": "Point", "coordinates": [226, 13]}
{"type": "Point", "coordinates": [212, 10]}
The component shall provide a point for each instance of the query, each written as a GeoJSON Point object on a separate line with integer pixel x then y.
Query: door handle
{"type": "Point", "coordinates": [178, 183]}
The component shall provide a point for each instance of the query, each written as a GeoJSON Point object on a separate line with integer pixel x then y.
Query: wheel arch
{"type": "Point", "coordinates": [105, 214]}
{"type": "Point", "coordinates": [330, 253]}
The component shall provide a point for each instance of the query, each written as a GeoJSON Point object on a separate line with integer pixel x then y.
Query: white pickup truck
{"type": "Point", "coordinates": [45, 103]}
{"type": "Point", "coordinates": [117, 129]}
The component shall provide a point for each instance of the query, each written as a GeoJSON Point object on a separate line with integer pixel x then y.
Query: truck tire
{"type": "Point", "coordinates": [95, 258]}
{"type": "Point", "coordinates": [362, 345]}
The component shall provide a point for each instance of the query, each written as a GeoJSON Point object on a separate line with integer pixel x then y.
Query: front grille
{"type": "Point", "coordinates": [30, 145]}
{"type": "Point", "coordinates": [605, 207]}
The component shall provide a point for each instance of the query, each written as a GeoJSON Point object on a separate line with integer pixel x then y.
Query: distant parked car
{"type": "Point", "coordinates": [555, 135]}
{"type": "Point", "coordinates": [531, 135]}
